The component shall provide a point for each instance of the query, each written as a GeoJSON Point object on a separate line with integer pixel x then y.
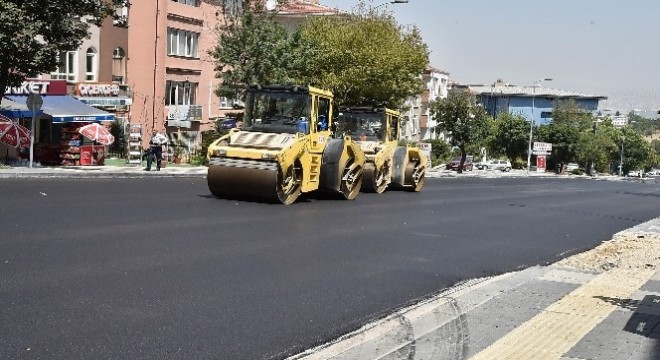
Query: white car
{"type": "Point", "coordinates": [572, 166]}
{"type": "Point", "coordinates": [504, 165]}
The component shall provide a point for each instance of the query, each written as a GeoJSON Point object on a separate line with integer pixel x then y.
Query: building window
{"type": "Point", "coordinates": [188, 2]}
{"type": "Point", "coordinates": [180, 93]}
{"type": "Point", "coordinates": [90, 65]}
{"type": "Point", "coordinates": [67, 66]}
{"type": "Point", "coordinates": [227, 103]}
{"type": "Point", "coordinates": [182, 42]}
{"type": "Point", "coordinates": [119, 65]}
{"type": "Point", "coordinates": [121, 16]}
{"type": "Point", "coordinates": [233, 8]}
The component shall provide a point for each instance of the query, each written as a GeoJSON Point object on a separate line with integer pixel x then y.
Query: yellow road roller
{"type": "Point", "coordinates": [387, 164]}
{"type": "Point", "coordinates": [284, 148]}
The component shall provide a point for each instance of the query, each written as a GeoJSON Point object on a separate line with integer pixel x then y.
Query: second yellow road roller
{"type": "Point", "coordinates": [284, 148]}
{"type": "Point", "coordinates": [388, 164]}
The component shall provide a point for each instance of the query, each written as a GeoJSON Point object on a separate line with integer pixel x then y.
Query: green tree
{"type": "Point", "coordinates": [642, 125]}
{"type": "Point", "coordinates": [655, 145]}
{"type": "Point", "coordinates": [569, 121]}
{"type": "Point", "coordinates": [364, 58]}
{"type": "Point", "coordinates": [252, 49]}
{"type": "Point", "coordinates": [637, 152]}
{"type": "Point", "coordinates": [510, 136]}
{"type": "Point", "coordinates": [467, 122]}
{"type": "Point", "coordinates": [33, 32]}
{"type": "Point", "coordinates": [596, 147]}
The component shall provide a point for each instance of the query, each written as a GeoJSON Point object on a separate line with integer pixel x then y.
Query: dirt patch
{"type": "Point", "coordinates": [630, 250]}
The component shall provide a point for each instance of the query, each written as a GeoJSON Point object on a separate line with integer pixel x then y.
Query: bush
{"type": "Point", "coordinates": [198, 160]}
{"type": "Point", "coordinates": [519, 164]}
{"type": "Point", "coordinates": [440, 151]}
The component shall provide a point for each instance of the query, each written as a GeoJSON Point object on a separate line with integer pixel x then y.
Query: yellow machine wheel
{"type": "Point", "coordinates": [375, 180]}
{"type": "Point", "coordinates": [415, 178]}
{"type": "Point", "coordinates": [351, 179]}
{"type": "Point", "coordinates": [289, 184]}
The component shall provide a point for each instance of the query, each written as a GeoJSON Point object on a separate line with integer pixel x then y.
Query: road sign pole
{"type": "Point", "coordinates": [34, 103]}
{"type": "Point", "coordinates": [32, 126]}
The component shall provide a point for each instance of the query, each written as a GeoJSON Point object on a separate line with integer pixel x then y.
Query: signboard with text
{"type": "Point", "coordinates": [38, 86]}
{"type": "Point", "coordinates": [97, 89]}
{"type": "Point", "coordinates": [542, 147]}
{"type": "Point", "coordinates": [540, 163]}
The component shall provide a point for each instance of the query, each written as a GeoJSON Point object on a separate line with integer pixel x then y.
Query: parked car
{"type": "Point", "coordinates": [635, 173]}
{"type": "Point", "coordinates": [572, 166]}
{"type": "Point", "coordinates": [653, 172]}
{"type": "Point", "coordinates": [503, 165]}
{"type": "Point", "coordinates": [455, 163]}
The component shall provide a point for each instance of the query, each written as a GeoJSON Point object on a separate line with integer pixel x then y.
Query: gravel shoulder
{"type": "Point", "coordinates": [631, 249]}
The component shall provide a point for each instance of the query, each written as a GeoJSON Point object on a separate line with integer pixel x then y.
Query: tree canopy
{"type": "Point", "coordinates": [577, 136]}
{"type": "Point", "coordinates": [510, 136]}
{"type": "Point", "coordinates": [466, 121]}
{"type": "Point", "coordinates": [569, 120]}
{"type": "Point", "coordinates": [364, 58]}
{"type": "Point", "coordinates": [252, 49]}
{"type": "Point", "coordinates": [33, 32]}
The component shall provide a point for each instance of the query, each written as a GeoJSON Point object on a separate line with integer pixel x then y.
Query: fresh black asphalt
{"type": "Point", "coordinates": [157, 268]}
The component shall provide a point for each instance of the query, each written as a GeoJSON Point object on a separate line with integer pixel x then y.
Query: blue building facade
{"type": "Point", "coordinates": [532, 102]}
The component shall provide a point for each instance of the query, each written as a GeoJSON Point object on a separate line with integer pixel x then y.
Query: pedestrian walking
{"type": "Point", "coordinates": [155, 151]}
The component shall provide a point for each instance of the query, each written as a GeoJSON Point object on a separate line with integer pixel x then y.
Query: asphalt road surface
{"type": "Point", "coordinates": [159, 269]}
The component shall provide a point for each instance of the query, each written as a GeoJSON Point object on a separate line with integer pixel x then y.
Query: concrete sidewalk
{"type": "Point", "coordinates": [101, 171]}
{"type": "Point", "coordinates": [132, 171]}
{"type": "Point", "coordinates": [601, 304]}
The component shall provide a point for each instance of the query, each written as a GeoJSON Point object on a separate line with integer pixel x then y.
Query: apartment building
{"type": "Point", "coordinates": [419, 125]}
{"type": "Point", "coordinates": [169, 68]}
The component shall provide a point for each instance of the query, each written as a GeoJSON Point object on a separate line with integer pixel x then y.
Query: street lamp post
{"type": "Point", "coordinates": [392, 2]}
{"type": "Point", "coordinates": [531, 123]}
{"type": "Point", "coordinates": [623, 140]}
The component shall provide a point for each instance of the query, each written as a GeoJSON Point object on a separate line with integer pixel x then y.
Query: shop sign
{"type": "Point", "coordinates": [38, 86]}
{"type": "Point", "coordinates": [542, 146]}
{"type": "Point", "coordinates": [97, 89]}
{"type": "Point", "coordinates": [540, 163]}
{"type": "Point", "coordinates": [179, 123]}
{"type": "Point", "coordinates": [229, 123]}
{"type": "Point", "coordinates": [184, 112]}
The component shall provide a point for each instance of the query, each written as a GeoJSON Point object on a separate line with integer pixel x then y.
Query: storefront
{"type": "Point", "coordinates": [57, 139]}
{"type": "Point", "coordinates": [110, 97]}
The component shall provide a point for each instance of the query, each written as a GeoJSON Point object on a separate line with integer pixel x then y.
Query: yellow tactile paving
{"type": "Point", "coordinates": [564, 323]}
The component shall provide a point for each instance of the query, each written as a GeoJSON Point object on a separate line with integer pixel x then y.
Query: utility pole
{"type": "Point", "coordinates": [531, 123]}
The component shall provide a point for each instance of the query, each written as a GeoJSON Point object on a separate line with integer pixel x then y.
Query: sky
{"type": "Point", "coordinates": [598, 47]}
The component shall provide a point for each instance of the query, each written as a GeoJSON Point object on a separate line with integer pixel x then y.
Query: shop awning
{"type": "Point", "coordinates": [15, 110]}
{"type": "Point", "coordinates": [67, 109]}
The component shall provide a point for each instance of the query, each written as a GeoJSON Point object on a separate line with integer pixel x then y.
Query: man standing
{"type": "Point", "coordinates": [155, 151]}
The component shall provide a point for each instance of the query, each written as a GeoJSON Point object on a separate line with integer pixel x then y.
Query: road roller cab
{"type": "Point", "coordinates": [284, 148]}
{"type": "Point", "coordinates": [387, 164]}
